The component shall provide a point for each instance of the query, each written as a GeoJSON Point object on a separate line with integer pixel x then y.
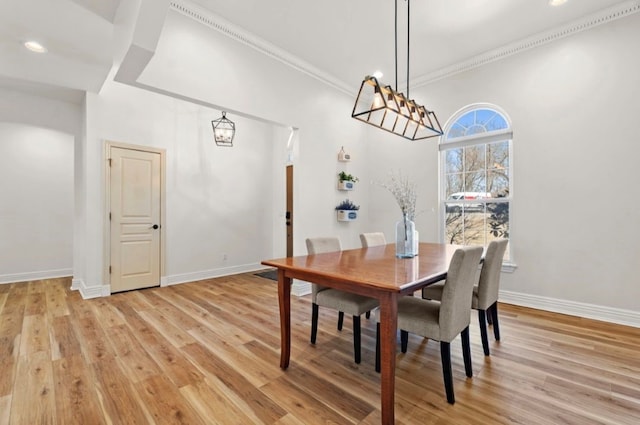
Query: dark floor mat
{"type": "Point", "coordinates": [269, 274]}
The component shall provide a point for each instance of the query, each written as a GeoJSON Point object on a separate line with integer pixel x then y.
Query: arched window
{"type": "Point", "coordinates": [476, 175]}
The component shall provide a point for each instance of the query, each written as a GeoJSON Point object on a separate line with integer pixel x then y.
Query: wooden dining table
{"type": "Point", "coordinates": [374, 272]}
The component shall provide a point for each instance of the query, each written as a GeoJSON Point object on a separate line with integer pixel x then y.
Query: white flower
{"type": "Point", "coordinates": [405, 193]}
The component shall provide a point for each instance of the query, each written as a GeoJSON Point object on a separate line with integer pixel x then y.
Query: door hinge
{"type": "Point", "coordinates": [109, 269]}
{"type": "Point", "coordinates": [109, 216]}
{"type": "Point", "coordinates": [109, 162]}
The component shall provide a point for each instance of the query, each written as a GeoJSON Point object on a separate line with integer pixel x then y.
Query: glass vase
{"type": "Point", "coordinates": [405, 233]}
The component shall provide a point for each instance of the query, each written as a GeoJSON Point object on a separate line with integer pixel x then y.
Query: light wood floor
{"type": "Point", "coordinates": [208, 353]}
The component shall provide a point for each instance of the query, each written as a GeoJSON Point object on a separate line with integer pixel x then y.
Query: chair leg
{"type": "Point", "coordinates": [367, 314]}
{"type": "Point", "coordinates": [340, 320]}
{"type": "Point", "coordinates": [445, 355]}
{"type": "Point", "coordinates": [489, 319]}
{"type": "Point", "coordinates": [404, 340]}
{"type": "Point", "coordinates": [356, 339]}
{"type": "Point", "coordinates": [494, 316]}
{"type": "Point", "coordinates": [378, 347]}
{"type": "Point", "coordinates": [466, 352]}
{"type": "Point", "coordinates": [314, 322]}
{"type": "Point", "coordinates": [482, 319]}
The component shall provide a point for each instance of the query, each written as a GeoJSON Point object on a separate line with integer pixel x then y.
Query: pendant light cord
{"type": "Point", "coordinates": [408, 7]}
{"type": "Point", "coordinates": [396, 40]}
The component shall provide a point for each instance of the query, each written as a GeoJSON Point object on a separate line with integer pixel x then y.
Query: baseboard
{"type": "Point", "coordinates": [572, 308]}
{"type": "Point", "coordinates": [88, 292]}
{"type": "Point", "coordinates": [76, 284]}
{"type": "Point", "coordinates": [210, 274]}
{"type": "Point", "coordinates": [45, 274]}
{"type": "Point", "coordinates": [300, 288]}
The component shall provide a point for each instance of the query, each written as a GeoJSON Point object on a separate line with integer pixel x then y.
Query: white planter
{"type": "Point", "coordinates": [347, 215]}
{"type": "Point", "coordinates": [346, 185]}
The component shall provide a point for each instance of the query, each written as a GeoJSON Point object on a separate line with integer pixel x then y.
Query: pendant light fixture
{"type": "Point", "coordinates": [223, 130]}
{"type": "Point", "coordinates": [392, 111]}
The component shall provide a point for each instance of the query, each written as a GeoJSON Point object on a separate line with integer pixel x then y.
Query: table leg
{"type": "Point", "coordinates": [388, 329]}
{"type": "Point", "coordinates": [284, 298]}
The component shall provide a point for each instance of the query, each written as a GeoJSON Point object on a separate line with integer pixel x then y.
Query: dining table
{"type": "Point", "coordinates": [374, 272]}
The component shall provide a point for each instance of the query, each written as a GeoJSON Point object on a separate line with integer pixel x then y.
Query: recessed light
{"type": "Point", "coordinates": [34, 46]}
{"type": "Point", "coordinates": [378, 74]}
{"type": "Point", "coordinates": [556, 2]}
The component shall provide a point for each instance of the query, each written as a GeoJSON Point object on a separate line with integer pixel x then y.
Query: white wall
{"type": "Point", "coordinates": [574, 106]}
{"type": "Point", "coordinates": [219, 200]}
{"type": "Point", "coordinates": [38, 113]}
{"type": "Point", "coordinates": [196, 61]}
{"type": "Point", "coordinates": [36, 212]}
{"type": "Point", "coordinates": [415, 160]}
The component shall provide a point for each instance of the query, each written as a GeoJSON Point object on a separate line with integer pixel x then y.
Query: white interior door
{"type": "Point", "coordinates": [135, 219]}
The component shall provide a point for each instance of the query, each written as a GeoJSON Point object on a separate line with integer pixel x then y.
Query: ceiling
{"type": "Point", "coordinates": [343, 39]}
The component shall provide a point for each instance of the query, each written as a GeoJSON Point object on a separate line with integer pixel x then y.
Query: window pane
{"type": "Point", "coordinates": [474, 158]}
{"type": "Point", "coordinates": [498, 155]}
{"type": "Point", "coordinates": [454, 184]}
{"type": "Point", "coordinates": [456, 130]}
{"type": "Point", "coordinates": [475, 182]}
{"type": "Point", "coordinates": [497, 122]}
{"type": "Point", "coordinates": [474, 226]}
{"type": "Point", "coordinates": [467, 120]}
{"type": "Point", "coordinates": [484, 116]}
{"type": "Point", "coordinates": [475, 129]}
{"type": "Point", "coordinates": [497, 220]}
{"type": "Point", "coordinates": [498, 184]}
{"type": "Point", "coordinates": [498, 223]}
{"type": "Point", "coordinates": [454, 227]}
{"type": "Point", "coordinates": [453, 161]}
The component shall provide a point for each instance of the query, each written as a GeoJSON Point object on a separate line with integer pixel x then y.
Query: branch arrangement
{"type": "Point", "coordinates": [405, 193]}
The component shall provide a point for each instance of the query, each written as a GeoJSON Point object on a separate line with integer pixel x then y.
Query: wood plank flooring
{"type": "Point", "coordinates": [208, 353]}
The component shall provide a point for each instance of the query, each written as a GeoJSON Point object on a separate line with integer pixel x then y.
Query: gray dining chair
{"type": "Point", "coordinates": [344, 302]}
{"type": "Point", "coordinates": [485, 293]}
{"type": "Point", "coordinates": [372, 239]}
{"type": "Point", "coordinates": [442, 321]}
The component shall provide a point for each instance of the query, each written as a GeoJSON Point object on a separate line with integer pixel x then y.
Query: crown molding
{"type": "Point", "coordinates": [241, 35]}
{"type": "Point", "coordinates": [590, 21]}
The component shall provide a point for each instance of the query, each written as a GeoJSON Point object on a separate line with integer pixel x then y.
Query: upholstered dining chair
{"type": "Point", "coordinates": [485, 293]}
{"type": "Point", "coordinates": [344, 302]}
{"type": "Point", "coordinates": [442, 321]}
{"type": "Point", "coordinates": [372, 239]}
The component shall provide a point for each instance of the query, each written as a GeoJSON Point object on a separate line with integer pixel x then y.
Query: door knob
{"type": "Point", "coordinates": [155, 226]}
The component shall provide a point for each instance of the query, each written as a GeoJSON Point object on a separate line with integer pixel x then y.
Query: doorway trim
{"type": "Point", "coordinates": [107, 206]}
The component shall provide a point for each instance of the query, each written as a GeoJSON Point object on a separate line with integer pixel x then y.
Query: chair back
{"type": "Point", "coordinates": [372, 239]}
{"type": "Point", "coordinates": [489, 283]}
{"type": "Point", "coordinates": [458, 291]}
{"type": "Point", "coordinates": [320, 246]}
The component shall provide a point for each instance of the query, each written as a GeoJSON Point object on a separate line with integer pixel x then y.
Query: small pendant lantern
{"type": "Point", "coordinates": [223, 130]}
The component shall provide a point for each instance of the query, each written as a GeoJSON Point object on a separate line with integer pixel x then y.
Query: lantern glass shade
{"type": "Point", "coordinates": [383, 107]}
{"type": "Point", "coordinates": [224, 130]}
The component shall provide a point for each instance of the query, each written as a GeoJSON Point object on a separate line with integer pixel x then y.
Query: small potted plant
{"type": "Point", "coordinates": [347, 210]}
{"type": "Point", "coordinates": [346, 181]}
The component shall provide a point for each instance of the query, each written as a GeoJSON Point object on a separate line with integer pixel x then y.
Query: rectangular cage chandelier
{"type": "Point", "coordinates": [389, 109]}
